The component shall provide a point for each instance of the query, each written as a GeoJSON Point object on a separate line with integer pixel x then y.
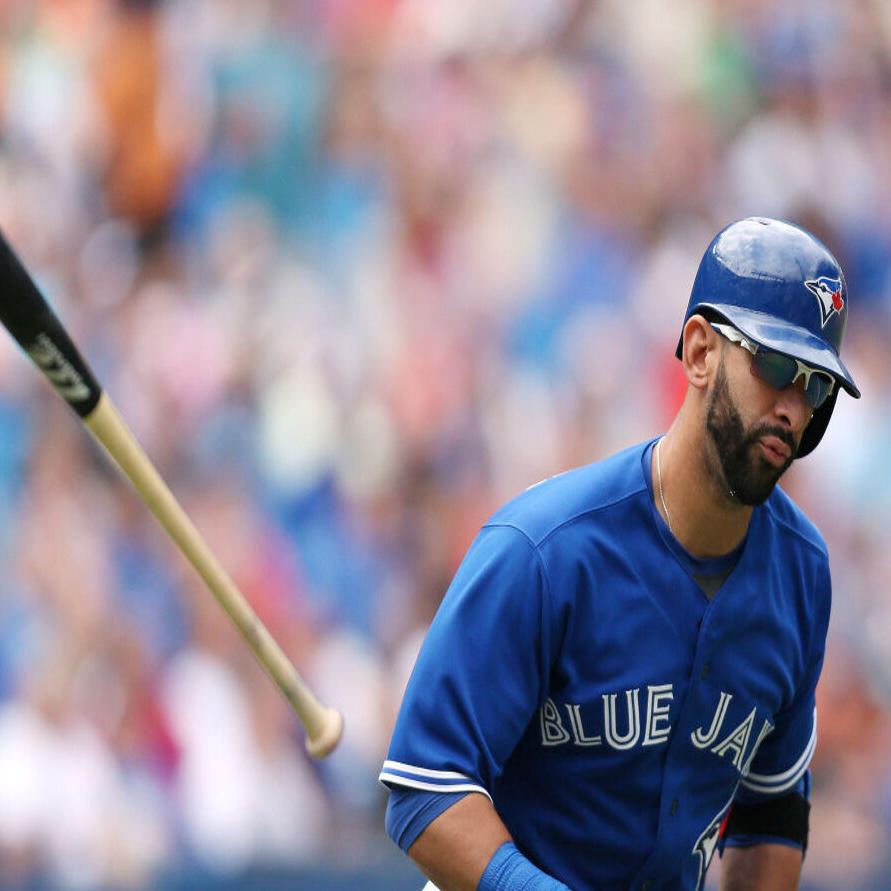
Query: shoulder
{"type": "Point", "coordinates": [556, 502]}
{"type": "Point", "coordinates": [791, 522]}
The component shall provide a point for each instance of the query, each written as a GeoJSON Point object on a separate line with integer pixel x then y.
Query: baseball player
{"type": "Point", "coordinates": [621, 675]}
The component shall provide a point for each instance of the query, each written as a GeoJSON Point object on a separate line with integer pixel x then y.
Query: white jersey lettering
{"type": "Point", "coordinates": [629, 739]}
{"type": "Point", "coordinates": [553, 733]}
{"type": "Point", "coordinates": [578, 730]}
{"type": "Point", "coordinates": [659, 697]}
{"type": "Point", "coordinates": [704, 740]}
{"type": "Point", "coordinates": [737, 741]}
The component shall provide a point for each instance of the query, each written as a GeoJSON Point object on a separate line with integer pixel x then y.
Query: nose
{"type": "Point", "coordinates": [791, 407]}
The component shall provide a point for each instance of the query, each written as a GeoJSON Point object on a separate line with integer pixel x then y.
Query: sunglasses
{"type": "Point", "coordinates": [782, 371]}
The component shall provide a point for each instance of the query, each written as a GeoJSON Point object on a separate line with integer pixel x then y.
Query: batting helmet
{"type": "Point", "coordinates": [783, 289]}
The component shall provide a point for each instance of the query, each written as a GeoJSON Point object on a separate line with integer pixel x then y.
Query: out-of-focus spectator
{"type": "Point", "coordinates": [356, 272]}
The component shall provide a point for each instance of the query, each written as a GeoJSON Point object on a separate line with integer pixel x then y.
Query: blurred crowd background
{"type": "Point", "coordinates": [356, 272]}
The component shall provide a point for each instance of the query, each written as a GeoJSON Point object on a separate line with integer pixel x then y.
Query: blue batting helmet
{"type": "Point", "coordinates": [783, 289]}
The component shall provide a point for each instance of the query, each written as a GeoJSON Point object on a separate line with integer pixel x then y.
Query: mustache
{"type": "Point", "coordinates": [780, 433]}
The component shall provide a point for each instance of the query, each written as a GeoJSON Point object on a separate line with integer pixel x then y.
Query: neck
{"type": "Point", "coordinates": [704, 517]}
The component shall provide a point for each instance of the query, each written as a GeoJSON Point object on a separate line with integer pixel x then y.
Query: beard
{"type": "Point", "coordinates": [747, 474]}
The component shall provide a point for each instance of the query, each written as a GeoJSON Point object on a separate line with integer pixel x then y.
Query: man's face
{"type": "Point", "coordinates": [753, 453]}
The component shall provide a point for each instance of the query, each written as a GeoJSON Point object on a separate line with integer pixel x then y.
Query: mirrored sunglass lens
{"type": "Point", "coordinates": [819, 387]}
{"type": "Point", "coordinates": [777, 370]}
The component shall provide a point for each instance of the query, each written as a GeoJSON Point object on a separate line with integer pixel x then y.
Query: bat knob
{"type": "Point", "coordinates": [326, 736]}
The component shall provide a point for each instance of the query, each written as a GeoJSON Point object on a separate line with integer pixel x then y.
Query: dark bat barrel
{"type": "Point", "coordinates": [29, 319]}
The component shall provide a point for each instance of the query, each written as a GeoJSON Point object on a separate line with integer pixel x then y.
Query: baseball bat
{"type": "Point", "coordinates": [29, 319]}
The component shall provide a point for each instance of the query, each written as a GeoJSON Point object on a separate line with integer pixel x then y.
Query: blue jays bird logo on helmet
{"type": "Point", "coordinates": [828, 292]}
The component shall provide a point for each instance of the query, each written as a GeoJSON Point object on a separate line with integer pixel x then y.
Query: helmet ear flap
{"type": "Point", "coordinates": [817, 427]}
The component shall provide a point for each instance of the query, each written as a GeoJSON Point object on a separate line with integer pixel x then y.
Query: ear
{"type": "Point", "coordinates": [699, 349]}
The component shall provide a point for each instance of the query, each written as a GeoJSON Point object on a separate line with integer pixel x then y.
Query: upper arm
{"type": "Point", "coordinates": [783, 758]}
{"type": "Point", "coordinates": [772, 800]}
{"type": "Point", "coordinates": [470, 826]}
{"type": "Point", "coordinates": [481, 673]}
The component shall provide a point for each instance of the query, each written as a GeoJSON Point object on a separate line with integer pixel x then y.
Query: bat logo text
{"type": "Point", "coordinates": [61, 373]}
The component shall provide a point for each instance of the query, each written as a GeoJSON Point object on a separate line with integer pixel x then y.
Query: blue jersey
{"type": "Point", "coordinates": [577, 675]}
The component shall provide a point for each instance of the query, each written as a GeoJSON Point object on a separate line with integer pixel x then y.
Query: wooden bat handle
{"type": "Point", "coordinates": [324, 726]}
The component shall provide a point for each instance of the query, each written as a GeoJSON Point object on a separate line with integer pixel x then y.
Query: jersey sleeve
{"type": "Point", "coordinates": [410, 811]}
{"type": "Point", "coordinates": [481, 672]}
{"type": "Point", "coordinates": [785, 755]}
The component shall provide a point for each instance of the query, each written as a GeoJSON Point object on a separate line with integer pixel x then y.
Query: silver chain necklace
{"type": "Point", "coordinates": [661, 490]}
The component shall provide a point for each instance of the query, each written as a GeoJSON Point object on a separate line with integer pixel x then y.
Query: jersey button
{"type": "Point", "coordinates": [646, 884]}
{"type": "Point", "coordinates": [706, 670]}
{"type": "Point", "coordinates": [674, 807]}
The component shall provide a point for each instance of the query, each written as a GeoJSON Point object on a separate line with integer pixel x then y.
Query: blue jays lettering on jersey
{"type": "Point", "coordinates": [577, 675]}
